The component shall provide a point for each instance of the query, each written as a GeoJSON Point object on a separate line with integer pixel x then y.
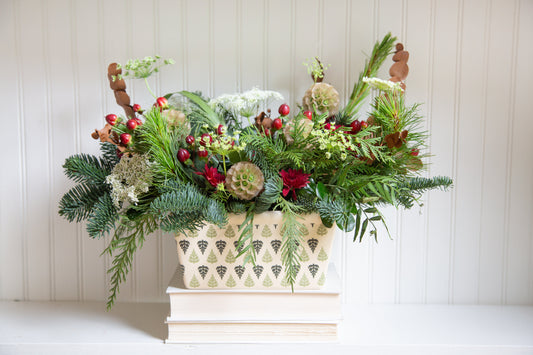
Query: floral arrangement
{"type": "Point", "coordinates": [190, 160]}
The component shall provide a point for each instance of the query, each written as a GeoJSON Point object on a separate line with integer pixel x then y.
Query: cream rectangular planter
{"type": "Point", "coordinates": [207, 258]}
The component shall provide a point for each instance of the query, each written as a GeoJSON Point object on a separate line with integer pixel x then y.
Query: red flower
{"type": "Point", "coordinates": [292, 180]}
{"type": "Point", "coordinates": [212, 175]}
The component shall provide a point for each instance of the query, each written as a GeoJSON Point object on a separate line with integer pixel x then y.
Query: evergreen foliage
{"type": "Point", "coordinates": [309, 163]}
{"type": "Point", "coordinates": [360, 90]}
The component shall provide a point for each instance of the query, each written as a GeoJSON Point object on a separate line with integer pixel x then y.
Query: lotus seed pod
{"type": "Point", "coordinates": [245, 180]}
{"type": "Point", "coordinates": [321, 98]}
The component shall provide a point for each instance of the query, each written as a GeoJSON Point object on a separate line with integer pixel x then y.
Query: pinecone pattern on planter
{"type": "Point", "coordinates": [245, 180]}
{"type": "Point", "coordinates": [321, 98]}
{"type": "Point", "coordinates": [219, 268]}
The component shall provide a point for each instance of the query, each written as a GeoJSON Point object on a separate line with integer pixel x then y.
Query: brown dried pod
{"type": "Point", "coordinates": [396, 139]}
{"type": "Point", "coordinates": [122, 98]}
{"type": "Point", "coordinates": [119, 88]}
{"type": "Point", "coordinates": [117, 84]}
{"type": "Point", "coordinates": [399, 70]}
{"type": "Point", "coordinates": [262, 121]}
{"type": "Point", "coordinates": [113, 69]}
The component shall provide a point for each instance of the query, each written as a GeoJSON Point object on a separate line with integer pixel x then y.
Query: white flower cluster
{"type": "Point", "coordinates": [383, 85]}
{"type": "Point", "coordinates": [129, 178]}
{"type": "Point", "coordinates": [246, 104]}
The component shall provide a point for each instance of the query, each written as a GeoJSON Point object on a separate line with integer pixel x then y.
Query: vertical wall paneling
{"type": "Point", "coordinates": [253, 34]}
{"type": "Point", "coordinates": [469, 66]}
{"type": "Point", "coordinates": [385, 255]}
{"type": "Point", "coordinates": [509, 149]}
{"type": "Point", "coordinates": [441, 129]}
{"type": "Point", "coordinates": [48, 114]}
{"type": "Point", "coordinates": [224, 37]}
{"type": "Point", "coordinates": [198, 46]}
{"type": "Point", "coordinates": [412, 235]}
{"type": "Point", "coordinates": [279, 33]}
{"type": "Point", "coordinates": [427, 150]}
{"type": "Point", "coordinates": [518, 286]}
{"type": "Point", "coordinates": [494, 183]}
{"type": "Point", "coordinates": [34, 100]}
{"type": "Point", "coordinates": [63, 136]}
{"type": "Point", "coordinates": [13, 175]}
{"type": "Point", "coordinates": [468, 164]}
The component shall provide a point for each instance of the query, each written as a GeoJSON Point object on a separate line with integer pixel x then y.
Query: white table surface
{"type": "Point", "coordinates": [138, 328]}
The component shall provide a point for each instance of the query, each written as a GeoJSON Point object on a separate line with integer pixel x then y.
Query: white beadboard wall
{"type": "Point", "coordinates": [470, 66]}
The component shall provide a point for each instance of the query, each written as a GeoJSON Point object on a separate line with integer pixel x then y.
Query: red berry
{"type": "Point", "coordinates": [131, 124]}
{"type": "Point", "coordinates": [189, 140]}
{"type": "Point", "coordinates": [284, 110]}
{"type": "Point", "coordinates": [138, 120]}
{"type": "Point", "coordinates": [356, 126]}
{"type": "Point", "coordinates": [119, 153]}
{"type": "Point", "coordinates": [202, 153]}
{"type": "Point", "coordinates": [267, 132]}
{"type": "Point", "coordinates": [414, 152]}
{"type": "Point", "coordinates": [111, 119]}
{"type": "Point", "coordinates": [308, 114]}
{"type": "Point", "coordinates": [161, 102]}
{"type": "Point", "coordinates": [327, 126]}
{"type": "Point", "coordinates": [205, 138]}
{"type": "Point", "coordinates": [364, 125]}
{"type": "Point", "coordinates": [125, 138]}
{"type": "Point", "coordinates": [277, 124]}
{"type": "Point", "coordinates": [183, 155]}
{"type": "Point", "coordinates": [221, 129]}
{"type": "Point", "coordinates": [136, 108]}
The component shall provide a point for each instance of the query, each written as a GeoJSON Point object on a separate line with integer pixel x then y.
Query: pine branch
{"type": "Point", "coordinates": [162, 144]}
{"type": "Point", "coordinates": [361, 90]}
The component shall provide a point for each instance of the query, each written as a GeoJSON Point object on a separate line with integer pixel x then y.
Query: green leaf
{"type": "Point", "coordinates": [321, 190]}
{"type": "Point", "coordinates": [209, 115]}
{"type": "Point", "coordinates": [350, 223]}
{"type": "Point", "coordinates": [357, 225]}
{"type": "Point", "coordinates": [363, 229]}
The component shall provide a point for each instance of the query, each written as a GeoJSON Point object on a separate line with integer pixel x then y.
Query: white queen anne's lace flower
{"type": "Point", "coordinates": [129, 178]}
{"type": "Point", "coordinates": [248, 103]}
{"type": "Point", "coordinates": [383, 85]}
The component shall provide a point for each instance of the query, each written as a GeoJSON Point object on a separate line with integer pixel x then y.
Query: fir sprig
{"type": "Point", "coordinates": [128, 238]}
{"type": "Point", "coordinates": [292, 239]}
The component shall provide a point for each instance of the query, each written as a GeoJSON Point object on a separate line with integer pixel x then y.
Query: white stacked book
{"type": "Point", "coordinates": [253, 315]}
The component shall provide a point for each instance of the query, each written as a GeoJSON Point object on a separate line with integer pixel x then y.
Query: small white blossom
{"type": "Point", "coordinates": [383, 85]}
